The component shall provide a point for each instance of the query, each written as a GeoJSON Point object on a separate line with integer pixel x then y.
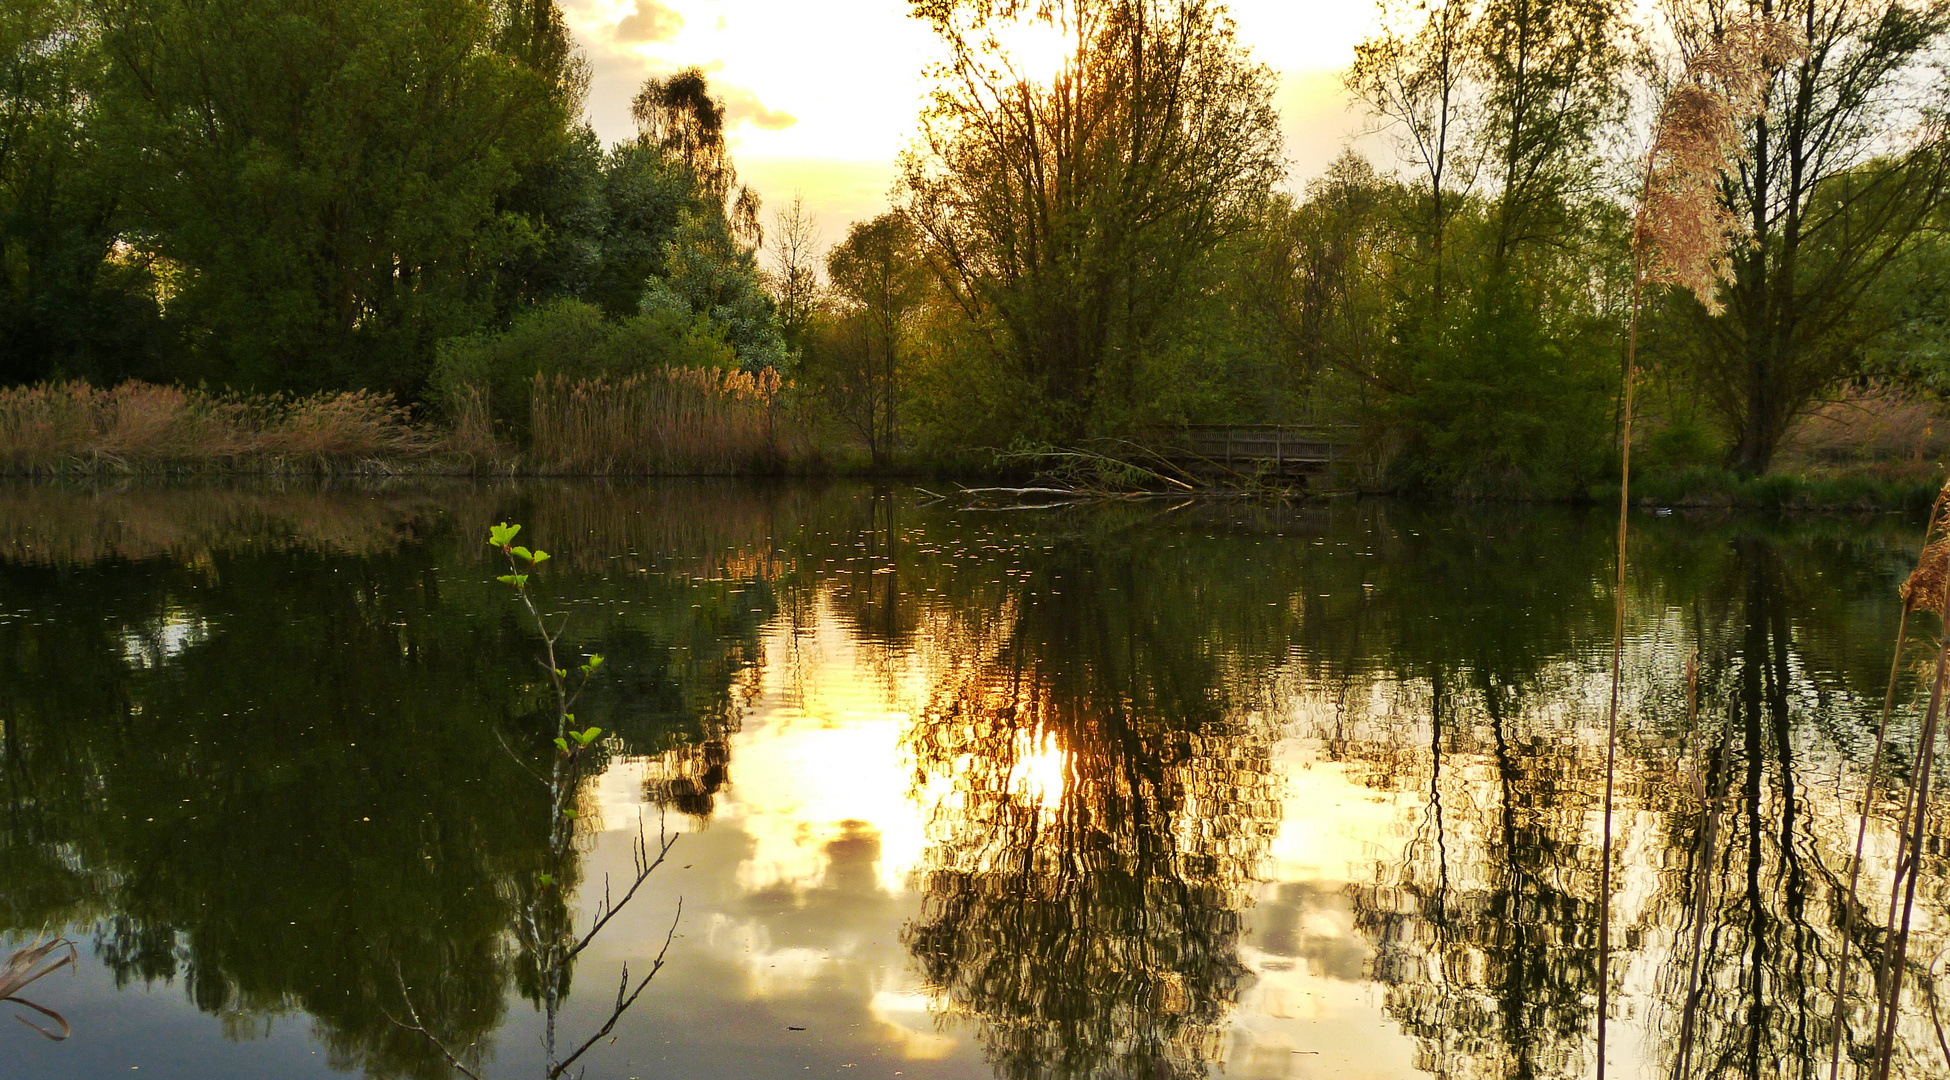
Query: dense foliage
{"type": "Point", "coordinates": [404, 198]}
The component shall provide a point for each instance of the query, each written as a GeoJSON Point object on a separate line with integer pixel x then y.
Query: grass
{"type": "Point", "coordinates": [1906, 486]}
{"type": "Point", "coordinates": [29, 964]}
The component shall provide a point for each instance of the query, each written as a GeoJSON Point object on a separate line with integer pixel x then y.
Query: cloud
{"type": "Point", "coordinates": [650, 23]}
{"type": "Point", "coordinates": [743, 106]}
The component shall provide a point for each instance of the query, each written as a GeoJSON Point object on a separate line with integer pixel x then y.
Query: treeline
{"type": "Point", "coordinates": [1110, 248]}
{"type": "Point", "coordinates": [289, 196]}
{"type": "Point", "coordinates": [403, 197]}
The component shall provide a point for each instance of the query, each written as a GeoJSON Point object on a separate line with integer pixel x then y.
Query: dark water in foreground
{"type": "Point", "coordinates": [1135, 791]}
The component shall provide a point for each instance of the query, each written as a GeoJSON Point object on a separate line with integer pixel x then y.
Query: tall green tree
{"type": "Point", "coordinates": [73, 299]}
{"type": "Point", "coordinates": [329, 174]}
{"type": "Point", "coordinates": [1844, 175]}
{"type": "Point", "coordinates": [862, 363]}
{"type": "Point", "coordinates": [1065, 210]}
{"type": "Point", "coordinates": [710, 266]}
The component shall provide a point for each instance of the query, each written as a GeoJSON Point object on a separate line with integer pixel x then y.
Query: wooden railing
{"type": "Point", "coordinates": [1286, 448]}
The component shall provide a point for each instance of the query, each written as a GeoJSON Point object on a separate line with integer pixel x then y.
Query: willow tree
{"type": "Point", "coordinates": [1066, 208]}
{"type": "Point", "coordinates": [1845, 169]}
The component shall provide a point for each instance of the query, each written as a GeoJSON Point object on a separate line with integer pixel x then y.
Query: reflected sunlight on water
{"type": "Point", "coordinates": [1115, 792]}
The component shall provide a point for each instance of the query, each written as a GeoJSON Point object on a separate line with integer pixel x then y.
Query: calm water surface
{"type": "Point", "coordinates": [1137, 791]}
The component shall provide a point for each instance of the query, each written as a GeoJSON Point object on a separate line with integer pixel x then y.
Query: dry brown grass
{"type": "Point", "coordinates": [59, 428]}
{"type": "Point", "coordinates": [684, 421]}
{"type": "Point", "coordinates": [1870, 425]}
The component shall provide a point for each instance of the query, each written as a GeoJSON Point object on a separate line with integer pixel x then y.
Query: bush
{"type": "Point", "coordinates": [567, 339]}
{"type": "Point", "coordinates": [1676, 448]}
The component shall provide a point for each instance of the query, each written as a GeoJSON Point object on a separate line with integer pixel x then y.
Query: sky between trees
{"type": "Point", "coordinates": [824, 95]}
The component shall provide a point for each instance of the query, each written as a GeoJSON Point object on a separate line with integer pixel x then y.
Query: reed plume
{"type": "Point", "coordinates": [1681, 235]}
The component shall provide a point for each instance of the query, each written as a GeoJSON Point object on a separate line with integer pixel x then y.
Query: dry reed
{"type": "Point", "coordinates": [71, 427]}
{"type": "Point", "coordinates": [682, 421]}
{"type": "Point", "coordinates": [1681, 235]}
{"type": "Point", "coordinates": [25, 966]}
{"type": "Point", "coordinates": [1917, 592]}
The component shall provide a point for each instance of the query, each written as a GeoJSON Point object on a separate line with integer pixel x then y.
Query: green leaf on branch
{"type": "Point", "coordinates": [521, 553]}
{"type": "Point", "coordinates": [517, 580]}
{"type": "Point", "coordinates": [587, 737]}
{"type": "Point", "coordinates": [562, 744]}
{"type": "Point", "coordinates": [546, 879]}
{"type": "Point", "coordinates": [502, 535]}
{"type": "Point", "coordinates": [540, 557]}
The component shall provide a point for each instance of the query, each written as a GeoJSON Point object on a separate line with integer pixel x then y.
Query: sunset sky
{"type": "Point", "coordinates": [824, 93]}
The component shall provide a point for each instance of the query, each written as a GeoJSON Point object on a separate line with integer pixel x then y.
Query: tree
{"type": "Point", "coordinates": [1064, 211]}
{"type": "Point", "coordinates": [1843, 175]}
{"type": "Point", "coordinates": [1415, 82]}
{"type": "Point", "coordinates": [795, 274]}
{"type": "Point", "coordinates": [1551, 78]}
{"type": "Point", "coordinates": [680, 116]}
{"type": "Point", "coordinates": [328, 173]}
{"type": "Point", "coordinates": [1489, 361]}
{"type": "Point", "coordinates": [879, 283]}
{"type": "Point", "coordinates": [73, 301]}
{"type": "Point", "coordinates": [710, 260]}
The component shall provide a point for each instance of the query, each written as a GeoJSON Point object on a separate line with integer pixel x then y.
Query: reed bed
{"type": "Point", "coordinates": [681, 421]}
{"type": "Point", "coordinates": [73, 428]}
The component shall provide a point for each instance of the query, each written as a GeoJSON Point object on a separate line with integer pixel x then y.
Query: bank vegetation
{"type": "Point", "coordinates": [299, 248]}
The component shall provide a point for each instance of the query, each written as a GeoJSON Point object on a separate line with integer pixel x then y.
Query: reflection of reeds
{"type": "Point", "coordinates": [27, 964]}
{"type": "Point", "coordinates": [75, 525]}
{"type": "Point", "coordinates": [1928, 583]}
{"type": "Point", "coordinates": [1924, 590]}
{"type": "Point", "coordinates": [75, 428]}
{"type": "Point", "coordinates": [681, 421]}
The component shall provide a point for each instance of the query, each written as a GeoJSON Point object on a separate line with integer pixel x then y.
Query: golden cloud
{"type": "Point", "coordinates": [650, 23]}
{"type": "Point", "coordinates": [743, 106]}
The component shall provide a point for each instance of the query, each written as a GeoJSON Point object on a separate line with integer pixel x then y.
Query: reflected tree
{"type": "Point", "coordinates": [1109, 798]}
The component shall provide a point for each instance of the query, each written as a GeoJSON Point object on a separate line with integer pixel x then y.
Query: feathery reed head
{"type": "Point", "coordinates": [1683, 231]}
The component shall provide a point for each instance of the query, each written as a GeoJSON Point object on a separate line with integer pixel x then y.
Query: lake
{"type": "Point", "coordinates": [1143, 789]}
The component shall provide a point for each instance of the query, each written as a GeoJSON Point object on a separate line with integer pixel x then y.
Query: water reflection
{"type": "Point", "coordinates": [1129, 791]}
{"type": "Point", "coordinates": [1110, 801]}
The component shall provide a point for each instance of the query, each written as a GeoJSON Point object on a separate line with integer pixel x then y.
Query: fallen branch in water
{"type": "Point", "coordinates": [1072, 492]}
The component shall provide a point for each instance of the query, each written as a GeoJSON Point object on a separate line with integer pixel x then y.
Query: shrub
{"type": "Point", "coordinates": [566, 339]}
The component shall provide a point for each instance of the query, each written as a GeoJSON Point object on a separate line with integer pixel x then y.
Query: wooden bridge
{"type": "Point", "coordinates": [1283, 450]}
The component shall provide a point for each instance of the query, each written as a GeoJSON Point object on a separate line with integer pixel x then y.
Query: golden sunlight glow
{"type": "Point", "coordinates": [1032, 49]}
{"type": "Point", "coordinates": [1039, 770]}
{"type": "Point", "coordinates": [825, 96]}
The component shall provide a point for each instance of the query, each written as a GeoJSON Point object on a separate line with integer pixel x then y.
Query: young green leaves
{"type": "Point", "coordinates": [581, 739]}
{"type": "Point", "coordinates": [502, 537]}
